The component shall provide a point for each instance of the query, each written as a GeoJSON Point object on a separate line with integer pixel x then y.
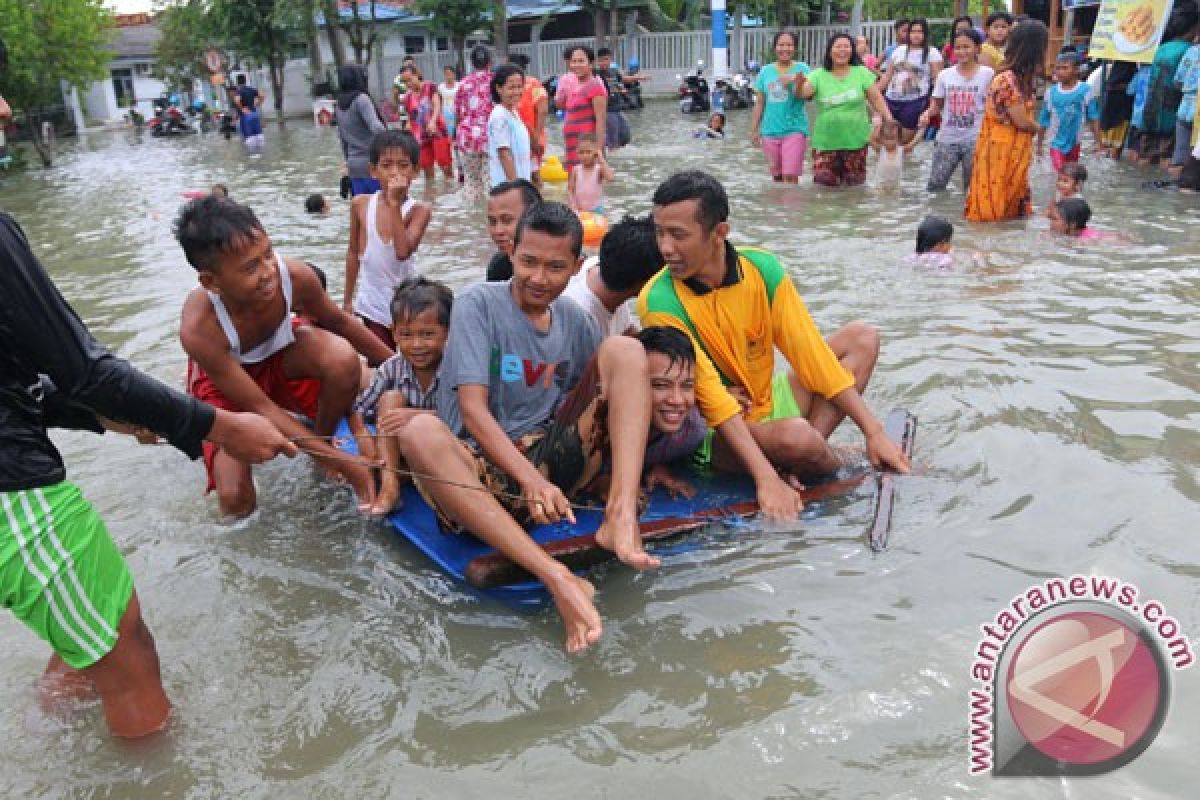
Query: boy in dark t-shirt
{"type": "Point", "coordinates": [524, 380]}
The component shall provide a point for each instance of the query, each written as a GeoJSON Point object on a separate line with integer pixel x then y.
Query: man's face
{"type": "Point", "coordinates": [685, 245]}
{"type": "Point", "coordinates": [603, 62]}
{"type": "Point", "coordinates": [672, 391]}
{"type": "Point", "coordinates": [503, 213]}
{"type": "Point", "coordinates": [542, 266]}
{"type": "Point", "coordinates": [245, 274]}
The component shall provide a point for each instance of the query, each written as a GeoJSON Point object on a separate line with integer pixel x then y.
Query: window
{"type": "Point", "coordinates": [443, 44]}
{"type": "Point", "coordinates": [123, 87]}
{"type": "Point", "coordinates": [414, 45]}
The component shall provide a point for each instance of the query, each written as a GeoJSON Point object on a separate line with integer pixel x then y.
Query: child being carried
{"type": "Point", "coordinates": [406, 384]}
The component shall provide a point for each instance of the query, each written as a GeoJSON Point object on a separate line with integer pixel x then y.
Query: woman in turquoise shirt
{"type": "Point", "coordinates": [780, 124]}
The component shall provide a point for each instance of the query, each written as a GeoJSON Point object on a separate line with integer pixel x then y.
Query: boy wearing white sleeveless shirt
{"type": "Point", "coordinates": [385, 231]}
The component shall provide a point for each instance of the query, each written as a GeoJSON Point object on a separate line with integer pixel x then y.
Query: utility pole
{"type": "Point", "coordinates": [720, 40]}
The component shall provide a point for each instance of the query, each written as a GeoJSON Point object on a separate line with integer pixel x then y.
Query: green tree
{"type": "Point", "coordinates": [188, 30]}
{"type": "Point", "coordinates": [361, 29]}
{"type": "Point", "coordinates": [455, 19]}
{"type": "Point", "coordinates": [51, 41]}
{"type": "Point", "coordinates": [261, 30]}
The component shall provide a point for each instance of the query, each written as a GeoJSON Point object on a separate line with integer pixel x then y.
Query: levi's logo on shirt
{"type": "Point", "coordinates": [511, 368]}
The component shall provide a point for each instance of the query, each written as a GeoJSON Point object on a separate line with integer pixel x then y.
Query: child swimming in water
{"type": "Point", "coordinates": [933, 244]}
{"type": "Point", "coordinates": [1070, 181]}
{"type": "Point", "coordinates": [406, 383]}
{"type": "Point", "coordinates": [715, 129]}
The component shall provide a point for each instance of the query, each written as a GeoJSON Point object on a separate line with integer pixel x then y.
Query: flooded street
{"type": "Point", "coordinates": [310, 653]}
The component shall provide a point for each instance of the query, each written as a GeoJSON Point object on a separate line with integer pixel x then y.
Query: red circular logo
{"type": "Point", "coordinates": [1084, 688]}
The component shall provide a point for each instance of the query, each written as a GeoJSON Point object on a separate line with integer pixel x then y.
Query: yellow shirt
{"type": "Point", "coordinates": [736, 328]}
{"type": "Point", "coordinates": [994, 55]}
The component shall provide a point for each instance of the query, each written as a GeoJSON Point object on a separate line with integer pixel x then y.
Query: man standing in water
{"type": "Point", "coordinates": [60, 573]}
{"type": "Point", "coordinates": [738, 305]}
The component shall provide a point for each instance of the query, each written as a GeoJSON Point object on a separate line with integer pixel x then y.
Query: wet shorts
{"type": "Point", "coordinates": [296, 396]}
{"type": "Point", "coordinates": [785, 154]}
{"type": "Point", "coordinates": [840, 167]}
{"type": "Point", "coordinates": [1059, 159]}
{"type": "Point", "coordinates": [569, 451]}
{"type": "Point", "coordinates": [60, 572]}
{"type": "Point", "coordinates": [436, 150]}
{"type": "Point", "coordinates": [783, 406]}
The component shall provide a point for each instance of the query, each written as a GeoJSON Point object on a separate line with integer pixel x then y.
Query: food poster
{"type": "Point", "coordinates": [1129, 30]}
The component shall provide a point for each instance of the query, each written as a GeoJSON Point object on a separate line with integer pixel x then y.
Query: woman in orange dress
{"type": "Point", "coordinates": [1000, 177]}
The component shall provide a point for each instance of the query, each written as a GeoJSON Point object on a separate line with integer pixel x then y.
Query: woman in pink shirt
{"type": "Point", "coordinates": [472, 108]}
{"type": "Point", "coordinates": [586, 103]}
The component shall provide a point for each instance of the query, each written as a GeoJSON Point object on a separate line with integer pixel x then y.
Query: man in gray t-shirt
{"type": "Point", "coordinates": [527, 371]}
{"type": "Point", "coordinates": [544, 403]}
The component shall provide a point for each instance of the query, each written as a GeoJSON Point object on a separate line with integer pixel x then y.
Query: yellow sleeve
{"type": "Point", "coordinates": [797, 337]}
{"type": "Point", "coordinates": [714, 400]}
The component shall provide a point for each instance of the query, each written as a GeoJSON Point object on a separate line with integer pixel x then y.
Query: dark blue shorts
{"type": "Point", "coordinates": [363, 186]}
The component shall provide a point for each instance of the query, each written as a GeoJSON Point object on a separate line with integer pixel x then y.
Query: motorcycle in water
{"type": "Point", "coordinates": [733, 93]}
{"type": "Point", "coordinates": [168, 120]}
{"type": "Point", "coordinates": [693, 91]}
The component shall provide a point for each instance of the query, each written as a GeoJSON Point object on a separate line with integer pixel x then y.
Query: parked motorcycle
{"type": "Point", "coordinates": [694, 94]}
{"type": "Point", "coordinates": [733, 93]}
{"type": "Point", "coordinates": [168, 119]}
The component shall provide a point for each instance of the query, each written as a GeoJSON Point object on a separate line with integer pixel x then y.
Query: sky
{"type": "Point", "coordinates": [130, 6]}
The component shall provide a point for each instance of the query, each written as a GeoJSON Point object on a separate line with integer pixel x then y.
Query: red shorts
{"type": "Point", "coordinates": [436, 150]}
{"type": "Point", "coordinates": [1059, 159]}
{"type": "Point", "coordinates": [297, 396]}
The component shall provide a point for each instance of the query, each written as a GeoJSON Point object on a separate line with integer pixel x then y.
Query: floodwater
{"type": "Point", "coordinates": [311, 654]}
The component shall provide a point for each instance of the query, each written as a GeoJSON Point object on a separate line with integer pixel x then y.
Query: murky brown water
{"type": "Point", "coordinates": [311, 654]}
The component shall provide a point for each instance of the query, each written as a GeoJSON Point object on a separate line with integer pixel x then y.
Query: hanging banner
{"type": "Point", "coordinates": [1129, 30]}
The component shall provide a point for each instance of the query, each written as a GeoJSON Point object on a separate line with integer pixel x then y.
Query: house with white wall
{"type": "Point", "coordinates": [131, 83]}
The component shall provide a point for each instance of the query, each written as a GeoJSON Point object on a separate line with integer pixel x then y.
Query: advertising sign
{"type": "Point", "coordinates": [1129, 30]}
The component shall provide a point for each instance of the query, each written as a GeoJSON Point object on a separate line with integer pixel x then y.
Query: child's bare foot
{"type": "Point", "coordinates": [620, 534]}
{"type": "Point", "coordinates": [388, 499]}
{"type": "Point", "coordinates": [362, 481]}
{"type": "Point", "coordinates": [573, 598]}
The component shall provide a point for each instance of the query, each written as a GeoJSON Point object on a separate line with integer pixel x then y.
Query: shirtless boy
{"type": "Point", "coordinates": [522, 377]}
{"type": "Point", "coordinates": [249, 353]}
{"type": "Point", "coordinates": [738, 305]}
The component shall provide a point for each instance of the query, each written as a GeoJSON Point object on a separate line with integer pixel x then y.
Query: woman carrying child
{"type": "Point", "coordinates": [999, 186]}
{"type": "Point", "coordinates": [423, 104]}
{"type": "Point", "coordinates": [779, 124]}
{"type": "Point", "coordinates": [959, 97]}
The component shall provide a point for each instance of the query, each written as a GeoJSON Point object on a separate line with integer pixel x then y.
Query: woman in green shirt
{"type": "Point", "coordinates": [841, 90]}
{"type": "Point", "coordinates": [779, 124]}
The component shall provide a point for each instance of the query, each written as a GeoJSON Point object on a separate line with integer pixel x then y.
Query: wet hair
{"type": "Point", "coordinates": [587, 52]}
{"type": "Point", "coordinates": [521, 60]}
{"type": "Point", "coordinates": [971, 34]}
{"type": "Point", "coordinates": [314, 203]}
{"type": "Point", "coordinates": [530, 195]}
{"type": "Point", "coordinates": [933, 231]}
{"type": "Point", "coordinates": [501, 76]}
{"type": "Point", "coordinates": [211, 226]}
{"type": "Point", "coordinates": [919, 22]}
{"type": "Point", "coordinates": [717, 115]}
{"type": "Point", "coordinates": [419, 294]}
{"type": "Point", "coordinates": [320, 273]}
{"type": "Point", "coordinates": [1075, 212]}
{"type": "Point", "coordinates": [629, 254]}
{"type": "Point", "coordinates": [1026, 53]}
{"type": "Point", "coordinates": [552, 219]}
{"type": "Point", "coordinates": [604, 51]}
{"type": "Point", "coordinates": [480, 57]}
{"type": "Point", "coordinates": [790, 34]}
{"type": "Point", "coordinates": [1075, 171]}
{"type": "Point", "coordinates": [220, 190]}
{"type": "Point", "coordinates": [712, 203]}
{"type": "Point", "coordinates": [827, 62]}
{"type": "Point", "coordinates": [998, 15]}
{"type": "Point", "coordinates": [671, 342]}
{"type": "Point", "coordinates": [395, 140]}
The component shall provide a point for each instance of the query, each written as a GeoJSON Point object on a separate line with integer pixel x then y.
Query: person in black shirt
{"type": "Point", "coordinates": [507, 203]}
{"type": "Point", "coordinates": [60, 572]}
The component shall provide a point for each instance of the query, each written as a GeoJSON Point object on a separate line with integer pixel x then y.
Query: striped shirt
{"type": "Point", "coordinates": [394, 375]}
{"type": "Point", "coordinates": [581, 115]}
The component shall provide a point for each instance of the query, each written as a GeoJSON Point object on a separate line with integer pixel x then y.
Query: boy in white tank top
{"type": "Point", "coordinates": [385, 231]}
{"type": "Point", "coordinates": [247, 351]}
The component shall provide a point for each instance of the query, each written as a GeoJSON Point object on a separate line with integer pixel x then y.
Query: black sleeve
{"type": "Point", "coordinates": [59, 412]}
{"type": "Point", "coordinates": [53, 341]}
{"type": "Point", "coordinates": [499, 268]}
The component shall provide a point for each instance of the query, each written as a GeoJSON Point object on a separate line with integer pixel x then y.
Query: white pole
{"type": "Point", "coordinates": [720, 40]}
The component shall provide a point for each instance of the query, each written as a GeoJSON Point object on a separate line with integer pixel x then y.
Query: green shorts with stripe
{"type": "Point", "coordinates": [783, 406]}
{"type": "Point", "coordinates": [60, 573]}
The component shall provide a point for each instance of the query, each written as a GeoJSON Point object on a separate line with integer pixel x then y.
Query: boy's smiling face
{"type": "Point", "coordinates": [672, 391]}
{"type": "Point", "coordinates": [244, 274]}
{"type": "Point", "coordinates": [543, 264]}
{"type": "Point", "coordinates": [421, 338]}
